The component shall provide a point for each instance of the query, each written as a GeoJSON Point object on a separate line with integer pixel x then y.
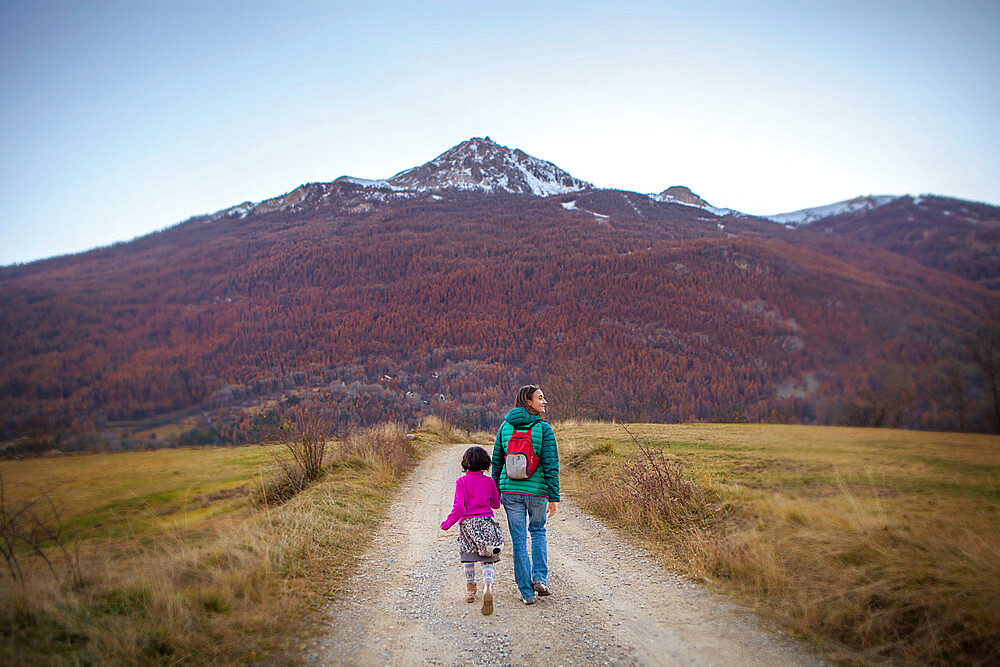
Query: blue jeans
{"type": "Point", "coordinates": [527, 514]}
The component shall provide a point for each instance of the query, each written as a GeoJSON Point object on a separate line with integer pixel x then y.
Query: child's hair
{"type": "Point", "coordinates": [475, 458]}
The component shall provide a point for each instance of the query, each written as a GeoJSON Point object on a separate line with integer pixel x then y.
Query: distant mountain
{"type": "Point", "coordinates": [953, 235]}
{"type": "Point", "coordinates": [808, 215]}
{"type": "Point", "coordinates": [679, 194]}
{"type": "Point", "coordinates": [439, 289]}
{"type": "Point", "coordinates": [477, 165]}
{"type": "Point", "coordinates": [483, 164]}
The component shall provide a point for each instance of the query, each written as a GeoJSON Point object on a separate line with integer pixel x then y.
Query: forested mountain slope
{"type": "Point", "coordinates": [379, 302]}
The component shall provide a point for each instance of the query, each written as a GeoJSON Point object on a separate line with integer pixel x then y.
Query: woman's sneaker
{"type": "Point", "coordinates": [541, 588]}
{"type": "Point", "coordinates": [528, 600]}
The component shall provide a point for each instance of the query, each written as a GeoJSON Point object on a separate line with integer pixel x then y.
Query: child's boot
{"type": "Point", "coordinates": [487, 598]}
{"type": "Point", "coordinates": [470, 592]}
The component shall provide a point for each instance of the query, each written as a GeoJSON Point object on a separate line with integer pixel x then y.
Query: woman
{"type": "Point", "coordinates": [528, 502]}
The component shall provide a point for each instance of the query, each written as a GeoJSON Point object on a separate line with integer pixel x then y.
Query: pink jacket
{"type": "Point", "coordinates": [476, 494]}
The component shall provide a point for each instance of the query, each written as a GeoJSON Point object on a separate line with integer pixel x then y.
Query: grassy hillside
{"type": "Point", "coordinates": [877, 544]}
{"type": "Point", "coordinates": [104, 495]}
{"type": "Point", "coordinates": [179, 561]}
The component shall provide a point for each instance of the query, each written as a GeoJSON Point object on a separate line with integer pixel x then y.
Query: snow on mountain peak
{"type": "Point", "coordinates": [483, 164]}
{"type": "Point", "coordinates": [679, 194]}
{"type": "Point", "coordinates": [807, 215]}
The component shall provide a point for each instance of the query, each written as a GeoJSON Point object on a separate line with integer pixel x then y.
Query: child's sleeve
{"type": "Point", "coordinates": [458, 508]}
{"type": "Point", "coordinates": [494, 497]}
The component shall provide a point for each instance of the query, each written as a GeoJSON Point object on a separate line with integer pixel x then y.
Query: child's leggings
{"type": "Point", "coordinates": [470, 572]}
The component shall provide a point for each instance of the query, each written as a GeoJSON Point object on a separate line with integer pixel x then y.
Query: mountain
{"type": "Point", "coordinates": [679, 194]}
{"type": "Point", "coordinates": [953, 235]}
{"type": "Point", "coordinates": [477, 165]}
{"type": "Point", "coordinates": [482, 164]}
{"type": "Point", "coordinates": [857, 205]}
{"type": "Point", "coordinates": [439, 289]}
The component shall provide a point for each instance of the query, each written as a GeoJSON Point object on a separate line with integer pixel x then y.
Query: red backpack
{"type": "Point", "coordinates": [520, 462]}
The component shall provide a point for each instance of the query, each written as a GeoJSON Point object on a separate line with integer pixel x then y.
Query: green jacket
{"type": "Point", "coordinates": [545, 480]}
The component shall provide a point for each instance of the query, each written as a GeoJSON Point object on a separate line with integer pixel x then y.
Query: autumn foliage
{"type": "Point", "coordinates": [381, 311]}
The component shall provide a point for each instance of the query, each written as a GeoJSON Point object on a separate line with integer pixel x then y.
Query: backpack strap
{"type": "Point", "coordinates": [506, 431]}
{"type": "Point", "coordinates": [536, 440]}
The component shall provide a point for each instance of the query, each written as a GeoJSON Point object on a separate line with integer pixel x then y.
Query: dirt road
{"type": "Point", "coordinates": [610, 603]}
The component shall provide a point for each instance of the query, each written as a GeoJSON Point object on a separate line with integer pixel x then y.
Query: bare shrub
{"type": "Point", "coordinates": [659, 488]}
{"type": "Point", "coordinates": [482, 438]}
{"type": "Point", "coordinates": [384, 444]}
{"type": "Point", "coordinates": [35, 527]}
{"type": "Point", "coordinates": [299, 450]}
{"type": "Point", "coordinates": [442, 429]}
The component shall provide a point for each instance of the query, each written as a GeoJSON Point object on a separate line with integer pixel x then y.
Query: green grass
{"type": "Point", "coordinates": [103, 495]}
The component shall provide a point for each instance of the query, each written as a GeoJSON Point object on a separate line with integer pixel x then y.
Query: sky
{"type": "Point", "coordinates": [121, 118]}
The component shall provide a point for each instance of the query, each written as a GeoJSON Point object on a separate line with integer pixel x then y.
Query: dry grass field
{"type": "Point", "coordinates": [876, 544]}
{"type": "Point", "coordinates": [179, 560]}
{"type": "Point", "coordinates": [130, 493]}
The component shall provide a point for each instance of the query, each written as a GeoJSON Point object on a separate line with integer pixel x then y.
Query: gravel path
{"type": "Point", "coordinates": [610, 603]}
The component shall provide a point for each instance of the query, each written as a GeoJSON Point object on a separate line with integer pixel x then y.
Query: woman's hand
{"type": "Point", "coordinates": [551, 509]}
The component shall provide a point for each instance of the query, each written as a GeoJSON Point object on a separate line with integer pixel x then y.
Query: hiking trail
{"type": "Point", "coordinates": [610, 604]}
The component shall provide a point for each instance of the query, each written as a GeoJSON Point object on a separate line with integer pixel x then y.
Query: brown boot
{"type": "Point", "coordinates": [470, 592]}
{"type": "Point", "coordinates": [487, 599]}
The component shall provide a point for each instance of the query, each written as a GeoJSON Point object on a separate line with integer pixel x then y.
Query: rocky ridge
{"type": "Point", "coordinates": [483, 164]}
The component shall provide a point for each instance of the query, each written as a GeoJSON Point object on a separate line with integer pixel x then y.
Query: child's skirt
{"type": "Point", "coordinates": [476, 534]}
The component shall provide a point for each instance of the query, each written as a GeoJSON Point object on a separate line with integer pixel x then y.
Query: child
{"type": "Point", "coordinates": [479, 536]}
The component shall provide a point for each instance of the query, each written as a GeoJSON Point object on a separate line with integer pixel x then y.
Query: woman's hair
{"type": "Point", "coordinates": [524, 395]}
{"type": "Point", "coordinates": [475, 458]}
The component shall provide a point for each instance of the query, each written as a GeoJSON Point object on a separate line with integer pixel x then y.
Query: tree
{"type": "Point", "coordinates": [571, 389]}
{"type": "Point", "coordinates": [881, 399]}
{"type": "Point", "coordinates": [984, 347]}
{"type": "Point", "coordinates": [951, 373]}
